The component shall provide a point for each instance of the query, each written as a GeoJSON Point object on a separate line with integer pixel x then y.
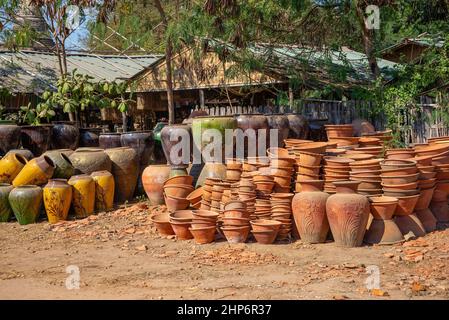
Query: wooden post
{"type": "Point", "coordinates": [202, 101]}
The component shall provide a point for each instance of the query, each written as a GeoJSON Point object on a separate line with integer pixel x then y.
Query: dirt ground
{"type": "Point", "coordinates": [119, 255]}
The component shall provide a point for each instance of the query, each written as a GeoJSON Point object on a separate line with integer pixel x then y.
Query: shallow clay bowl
{"type": "Point", "coordinates": [282, 162]}
{"type": "Point", "coordinates": [203, 235]}
{"type": "Point", "coordinates": [399, 187]}
{"type": "Point", "coordinates": [400, 193]}
{"type": "Point", "coordinates": [236, 234]}
{"type": "Point", "coordinates": [397, 164]}
{"type": "Point", "coordinates": [175, 203]}
{"type": "Point", "coordinates": [162, 224]}
{"type": "Point", "coordinates": [311, 147]}
{"type": "Point", "coordinates": [235, 205]}
{"type": "Point", "coordinates": [181, 230]}
{"type": "Point", "coordinates": [336, 162]}
{"type": "Point", "coordinates": [181, 216]}
{"type": "Point", "coordinates": [205, 214]}
{"type": "Point", "coordinates": [178, 190]}
{"type": "Point", "coordinates": [236, 214]}
{"type": "Point", "coordinates": [373, 167]}
{"type": "Point", "coordinates": [369, 185]}
{"type": "Point", "coordinates": [179, 180]}
{"type": "Point", "coordinates": [265, 225]}
{"type": "Point", "coordinates": [195, 195]}
{"type": "Point", "coordinates": [406, 205]}
{"type": "Point", "coordinates": [309, 158]}
{"type": "Point", "coordinates": [399, 172]}
{"type": "Point", "coordinates": [400, 179]}
{"type": "Point", "coordinates": [265, 237]}
{"type": "Point", "coordinates": [236, 221]}
{"type": "Point", "coordinates": [383, 207]}
{"type": "Point", "coordinates": [357, 156]}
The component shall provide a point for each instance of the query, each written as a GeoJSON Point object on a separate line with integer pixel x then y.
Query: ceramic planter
{"type": "Point", "coordinates": [35, 172]}
{"type": "Point", "coordinates": [180, 157]}
{"type": "Point", "coordinates": [236, 234]}
{"type": "Point", "coordinates": [298, 125]}
{"type": "Point", "coordinates": [27, 154]}
{"type": "Point", "coordinates": [265, 237]}
{"type": "Point", "coordinates": [348, 214]}
{"type": "Point", "coordinates": [10, 166]}
{"type": "Point", "coordinates": [203, 235]}
{"type": "Point", "coordinates": [57, 200]}
{"type": "Point", "coordinates": [153, 178]}
{"type": "Point", "coordinates": [64, 135]}
{"type": "Point", "coordinates": [211, 170]}
{"type": "Point", "coordinates": [90, 160]}
{"type": "Point", "coordinates": [89, 137]}
{"type": "Point", "coordinates": [63, 166]}
{"type": "Point", "coordinates": [281, 123]}
{"type": "Point", "coordinates": [83, 195]}
{"type": "Point", "coordinates": [5, 208]}
{"type": "Point", "coordinates": [9, 137]}
{"type": "Point", "coordinates": [309, 212]}
{"type": "Point", "coordinates": [26, 202]}
{"type": "Point", "coordinates": [125, 168]}
{"type": "Point", "coordinates": [36, 138]}
{"type": "Point", "coordinates": [109, 140]}
{"type": "Point", "coordinates": [162, 224]}
{"type": "Point", "coordinates": [104, 190]}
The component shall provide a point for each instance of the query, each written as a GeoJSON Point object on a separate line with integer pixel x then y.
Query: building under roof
{"type": "Point", "coordinates": [409, 50]}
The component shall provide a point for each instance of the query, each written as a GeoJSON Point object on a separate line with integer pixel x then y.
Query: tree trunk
{"type": "Point", "coordinates": [170, 100]}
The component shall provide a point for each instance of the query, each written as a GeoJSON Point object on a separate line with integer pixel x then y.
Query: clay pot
{"type": "Point", "coordinates": [406, 205]}
{"type": "Point", "coordinates": [427, 219]}
{"type": "Point", "coordinates": [90, 160]}
{"type": "Point", "coordinates": [235, 205]}
{"type": "Point", "coordinates": [27, 154]}
{"type": "Point", "coordinates": [5, 208]}
{"type": "Point", "coordinates": [10, 167]}
{"type": "Point", "coordinates": [181, 216]}
{"type": "Point", "coordinates": [369, 142]}
{"type": "Point", "coordinates": [399, 153]}
{"type": "Point", "coordinates": [383, 232]}
{"type": "Point", "coordinates": [410, 223]}
{"type": "Point", "coordinates": [9, 137]}
{"type": "Point", "coordinates": [64, 135]}
{"type": "Point", "coordinates": [26, 202]}
{"type": "Point", "coordinates": [195, 196]}
{"type": "Point", "coordinates": [181, 230]}
{"type": "Point", "coordinates": [203, 235]}
{"type": "Point", "coordinates": [153, 178]}
{"type": "Point", "coordinates": [298, 125]}
{"type": "Point", "coordinates": [233, 175]}
{"type": "Point", "coordinates": [35, 172]}
{"type": "Point", "coordinates": [400, 187]}
{"type": "Point", "coordinates": [83, 196]}
{"type": "Point", "coordinates": [142, 142]}
{"type": "Point", "coordinates": [357, 156]}
{"type": "Point", "coordinates": [125, 169]}
{"type": "Point", "coordinates": [400, 193]}
{"type": "Point", "coordinates": [109, 140]}
{"type": "Point", "coordinates": [36, 138]}
{"type": "Point", "coordinates": [312, 147]}
{"type": "Point", "coordinates": [255, 122]}
{"type": "Point", "coordinates": [63, 166]}
{"type": "Point", "coordinates": [211, 170]}
{"type": "Point", "coordinates": [348, 214]}
{"type": "Point", "coordinates": [183, 179]}
{"type": "Point", "coordinates": [336, 131]}
{"type": "Point", "coordinates": [309, 212]}
{"type": "Point", "coordinates": [89, 137]}
{"type": "Point", "coordinates": [57, 199]}
{"type": "Point", "coordinates": [236, 234]}
{"type": "Point", "coordinates": [265, 237]}
{"type": "Point", "coordinates": [265, 225]}
{"type": "Point", "coordinates": [383, 208]}
{"type": "Point", "coordinates": [281, 123]}
{"type": "Point", "coordinates": [397, 164]}
{"type": "Point", "coordinates": [174, 203]}
{"type": "Point", "coordinates": [178, 190]}
{"type": "Point", "coordinates": [431, 150]}
{"type": "Point", "coordinates": [162, 224]}
{"type": "Point", "coordinates": [399, 172]}
{"type": "Point", "coordinates": [400, 179]}
{"type": "Point", "coordinates": [104, 190]}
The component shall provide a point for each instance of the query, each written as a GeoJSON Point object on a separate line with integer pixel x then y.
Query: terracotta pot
{"type": "Point", "coordinates": [440, 210]}
{"type": "Point", "coordinates": [174, 203]}
{"type": "Point", "coordinates": [399, 153]}
{"type": "Point", "coordinates": [182, 179]}
{"type": "Point", "coordinates": [357, 156]}
{"type": "Point", "coordinates": [36, 138]}
{"type": "Point", "coordinates": [265, 225]}
{"type": "Point", "coordinates": [236, 234]}
{"type": "Point", "coordinates": [338, 162]}
{"type": "Point", "coordinates": [431, 150]}
{"type": "Point", "coordinates": [410, 223]}
{"type": "Point", "coordinates": [90, 160]}
{"type": "Point", "coordinates": [83, 195]}
{"type": "Point", "coordinates": [401, 187]}
{"type": "Point", "coordinates": [195, 196]}
{"type": "Point", "coordinates": [10, 167]}
{"type": "Point", "coordinates": [235, 205]}
{"type": "Point", "coordinates": [178, 190]}
{"type": "Point", "coordinates": [383, 232]}
{"type": "Point", "coordinates": [89, 137]}
{"type": "Point", "coordinates": [181, 230]}
{"type": "Point", "coordinates": [313, 147]}
{"type": "Point", "coordinates": [400, 193]}
{"type": "Point", "coordinates": [125, 169]}
{"type": "Point", "coordinates": [336, 131]}
{"type": "Point", "coordinates": [265, 237]}
{"type": "Point", "coordinates": [63, 166]}
{"type": "Point", "coordinates": [64, 135]}
{"type": "Point", "coordinates": [397, 164]}
{"type": "Point", "coordinates": [427, 219]}
{"type": "Point", "coordinates": [9, 137]}
{"type": "Point", "coordinates": [309, 170]}
{"type": "Point", "coordinates": [400, 179]}
{"type": "Point", "coordinates": [26, 202]}
{"type": "Point", "coordinates": [5, 208]}
{"type": "Point", "coordinates": [27, 154]}
{"type": "Point", "coordinates": [281, 123]}
{"type": "Point", "coordinates": [211, 170]}
{"type": "Point", "coordinates": [406, 205]}
{"type": "Point", "coordinates": [162, 224]}
{"type": "Point", "coordinates": [109, 140]}
{"type": "Point", "coordinates": [181, 216]}
{"type": "Point", "coordinates": [57, 199]}
{"type": "Point", "coordinates": [104, 190]}
{"type": "Point", "coordinates": [383, 208]}
{"type": "Point", "coordinates": [399, 172]}
{"type": "Point", "coordinates": [369, 142]}
{"type": "Point", "coordinates": [348, 214]}
{"type": "Point", "coordinates": [238, 213]}
{"type": "Point", "coordinates": [298, 125]}
{"type": "Point", "coordinates": [203, 235]}
{"type": "Point", "coordinates": [35, 172]}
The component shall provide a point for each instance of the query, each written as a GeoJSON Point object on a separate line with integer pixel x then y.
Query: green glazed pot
{"type": "Point", "coordinates": [63, 166]}
{"type": "Point", "coordinates": [26, 202]}
{"type": "Point", "coordinates": [174, 172]}
{"type": "Point", "coordinates": [5, 208]}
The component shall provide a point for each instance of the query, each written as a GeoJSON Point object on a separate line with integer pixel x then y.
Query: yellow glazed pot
{"type": "Point", "coordinates": [10, 166]}
{"type": "Point", "coordinates": [57, 199]}
{"type": "Point", "coordinates": [83, 200]}
{"type": "Point", "coordinates": [104, 190]}
{"type": "Point", "coordinates": [35, 172]}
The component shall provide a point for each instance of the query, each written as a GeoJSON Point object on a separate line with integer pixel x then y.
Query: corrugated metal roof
{"type": "Point", "coordinates": [34, 72]}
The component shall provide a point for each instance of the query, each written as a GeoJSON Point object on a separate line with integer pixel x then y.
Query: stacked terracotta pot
{"type": "Point", "coordinates": [281, 169]}
{"type": "Point", "coordinates": [247, 192]}
{"type": "Point", "coordinates": [265, 231]}
{"type": "Point", "coordinates": [206, 202]}
{"type": "Point", "coordinates": [339, 131]}
{"type": "Point", "coordinates": [281, 210]}
{"type": "Point", "coordinates": [309, 166]}
{"type": "Point", "coordinates": [233, 170]}
{"type": "Point", "coordinates": [236, 220]}
{"type": "Point", "coordinates": [369, 142]}
{"type": "Point", "coordinates": [367, 172]}
{"type": "Point", "coordinates": [263, 209]}
{"type": "Point", "coordinates": [181, 222]}
{"type": "Point", "coordinates": [264, 185]}
{"type": "Point", "coordinates": [195, 198]}
{"type": "Point", "coordinates": [335, 169]}
{"type": "Point", "coordinates": [176, 190]}
{"type": "Point", "coordinates": [203, 226]}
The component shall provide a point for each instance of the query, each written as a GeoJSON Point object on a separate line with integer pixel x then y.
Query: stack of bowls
{"type": "Point", "coordinates": [162, 223]}
{"type": "Point", "coordinates": [368, 173]}
{"type": "Point", "coordinates": [233, 170]}
{"type": "Point", "coordinates": [309, 166]}
{"type": "Point", "coordinates": [335, 169]}
{"type": "Point", "coordinates": [255, 163]}
{"type": "Point", "coordinates": [264, 185]}
{"type": "Point", "coordinates": [404, 153]}
{"type": "Point", "coordinates": [291, 143]}
{"type": "Point", "coordinates": [376, 151]}
{"type": "Point", "coordinates": [176, 190]}
{"type": "Point", "coordinates": [195, 198]}
{"type": "Point", "coordinates": [399, 178]}
{"type": "Point", "coordinates": [265, 231]}
{"type": "Point", "coordinates": [181, 222]}
{"type": "Point", "coordinates": [207, 193]}
{"type": "Point", "coordinates": [369, 142]}
{"type": "Point", "coordinates": [263, 209]}
{"type": "Point", "coordinates": [236, 220]}
{"type": "Point", "coordinates": [204, 226]}
{"type": "Point", "coordinates": [281, 168]}
{"type": "Point", "coordinates": [247, 192]}
{"type": "Point", "coordinates": [217, 194]}
{"type": "Point", "coordinates": [281, 210]}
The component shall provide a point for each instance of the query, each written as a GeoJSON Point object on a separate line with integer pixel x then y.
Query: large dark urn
{"type": "Point", "coordinates": [109, 140]}
{"type": "Point", "coordinates": [299, 126]}
{"type": "Point", "coordinates": [9, 136]}
{"type": "Point", "coordinates": [89, 137]}
{"type": "Point", "coordinates": [36, 138]}
{"type": "Point", "coordinates": [182, 132]}
{"type": "Point", "coordinates": [255, 122]}
{"type": "Point", "coordinates": [281, 123]}
{"type": "Point", "coordinates": [64, 135]}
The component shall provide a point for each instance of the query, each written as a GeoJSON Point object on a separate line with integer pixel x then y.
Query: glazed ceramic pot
{"type": "Point", "coordinates": [254, 122]}
{"type": "Point", "coordinates": [10, 166]}
{"type": "Point", "coordinates": [179, 132]}
{"type": "Point", "coordinates": [63, 166]}
{"type": "Point", "coordinates": [27, 154]}
{"type": "Point", "coordinates": [220, 123]}
{"type": "Point", "coordinates": [26, 202]}
{"type": "Point", "coordinates": [153, 178]}
{"type": "Point", "coordinates": [309, 212]}
{"type": "Point", "coordinates": [90, 160]}
{"type": "Point", "coordinates": [298, 125]}
{"type": "Point", "coordinates": [281, 123]}
{"type": "Point", "coordinates": [36, 138]}
{"type": "Point", "coordinates": [35, 172]}
{"type": "Point", "coordinates": [83, 195]}
{"type": "Point", "coordinates": [89, 137]}
{"type": "Point", "coordinates": [211, 170]}
{"type": "Point", "coordinates": [109, 140]}
{"type": "Point", "coordinates": [5, 208]}
{"type": "Point", "coordinates": [104, 190]}
{"type": "Point", "coordinates": [348, 214]}
{"type": "Point", "coordinates": [125, 169]}
{"type": "Point", "coordinates": [64, 135]}
{"type": "Point", "coordinates": [9, 137]}
{"type": "Point", "coordinates": [57, 199]}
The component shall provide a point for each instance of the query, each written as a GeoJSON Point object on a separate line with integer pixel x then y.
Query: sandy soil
{"type": "Point", "coordinates": [120, 256]}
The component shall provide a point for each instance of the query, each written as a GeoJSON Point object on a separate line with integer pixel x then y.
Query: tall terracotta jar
{"type": "Point", "coordinates": [153, 178]}
{"type": "Point", "coordinates": [10, 166]}
{"type": "Point", "coordinates": [348, 214]}
{"type": "Point", "coordinates": [64, 135]}
{"type": "Point", "coordinates": [83, 195]}
{"type": "Point", "coordinates": [183, 132]}
{"type": "Point", "coordinates": [309, 212]}
{"type": "Point", "coordinates": [35, 172]}
{"type": "Point", "coordinates": [104, 190]}
{"type": "Point", "coordinates": [108, 140]}
{"type": "Point", "coordinates": [88, 160]}
{"type": "Point", "coordinates": [89, 137]}
{"type": "Point", "coordinates": [27, 154]}
{"type": "Point", "coordinates": [5, 208]}
{"type": "Point", "coordinates": [281, 123]}
{"type": "Point", "coordinates": [63, 166]}
{"type": "Point", "coordinates": [211, 170]}
{"type": "Point", "coordinates": [57, 199]}
{"type": "Point", "coordinates": [26, 202]}
{"type": "Point", "coordinates": [36, 138]}
{"type": "Point", "coordinates": [299, 126]}
{"type": "Point", "coordinates": [9, 136]}
{"type": "Point", "coordinates": [125, 168]}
